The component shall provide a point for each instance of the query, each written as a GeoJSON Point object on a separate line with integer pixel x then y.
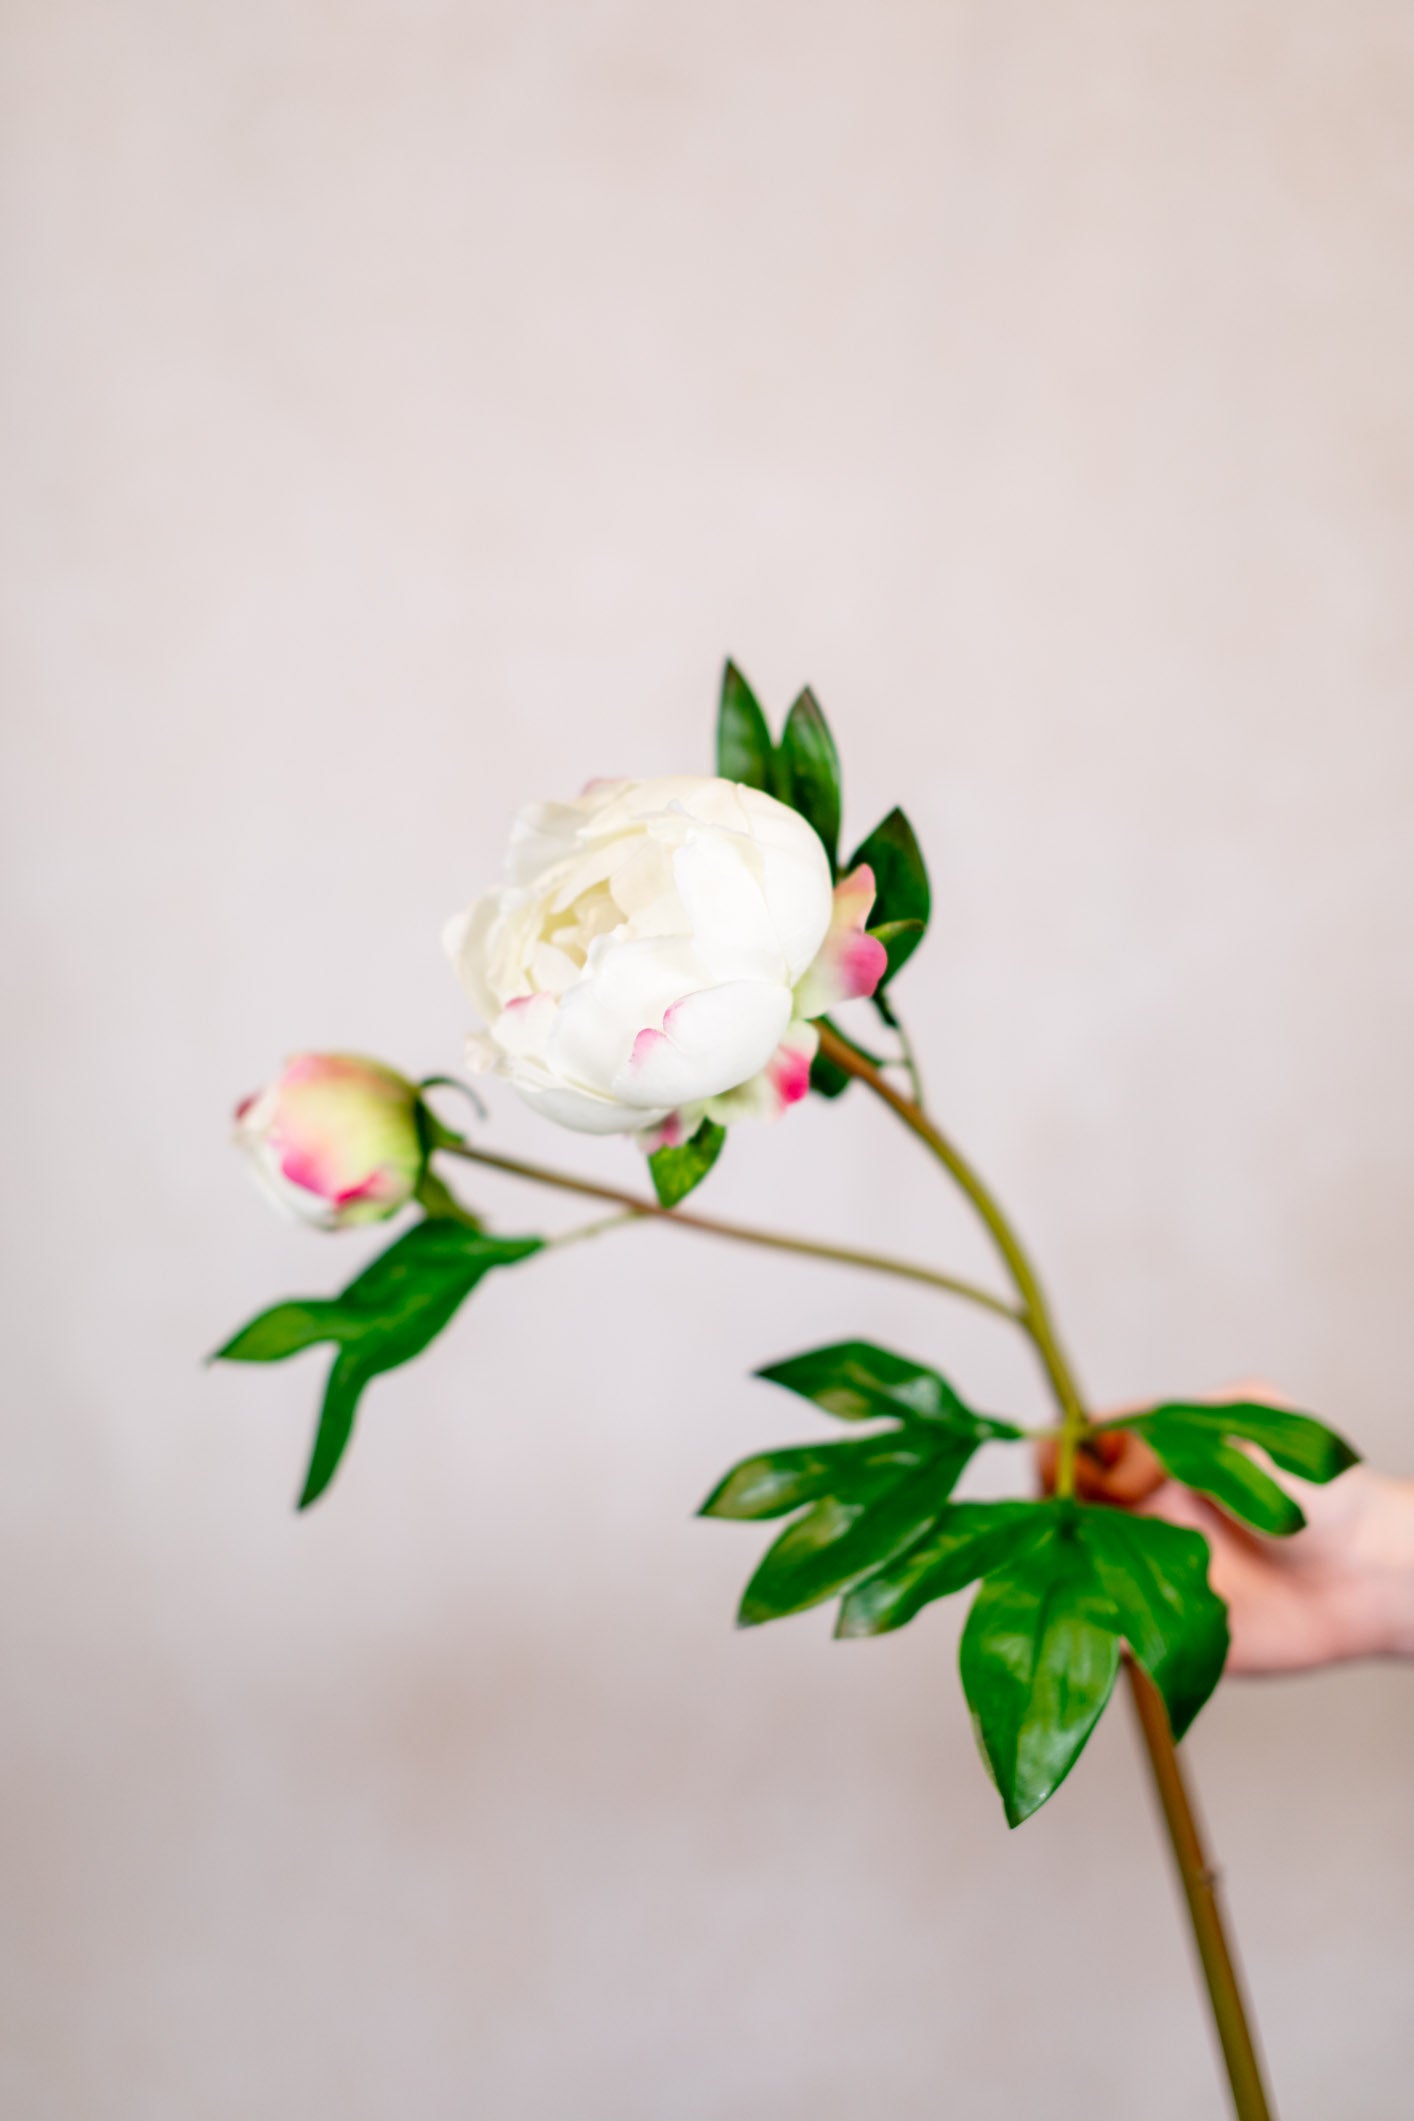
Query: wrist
{"type": "Point", "coordinates": [1381, 1619]}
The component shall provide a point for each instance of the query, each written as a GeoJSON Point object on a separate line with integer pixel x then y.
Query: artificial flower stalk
{"type": "Point", "coordinates": [661, 962]}
{"type": "Point", "coordinates": [1196, 1875]}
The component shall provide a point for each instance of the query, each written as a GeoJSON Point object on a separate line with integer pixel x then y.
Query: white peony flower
{"type": "Point", "coordinates": [657, 954]}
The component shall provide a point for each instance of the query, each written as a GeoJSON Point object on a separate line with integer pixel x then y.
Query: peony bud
{"type": "Point", "coordinates": [334, 1140]}
{"type": "Point", "coordinates": [656, 956]}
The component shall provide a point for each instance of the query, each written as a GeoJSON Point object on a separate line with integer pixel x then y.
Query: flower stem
{"type": "Point", "coordinates": [743, 1233]}
{"type": "Point", "coordinates": [1035, 1312]}
{"type": "Point", "coordinates": [1199, 1882]}
{"type": "Point", "coordinates": [1200, 1887]}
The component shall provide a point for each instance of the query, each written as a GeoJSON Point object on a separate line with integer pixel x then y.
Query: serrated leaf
{"type": "Point", "coordinates": [744, 748]}
{"type": "Point", "coordinates": [776, 1482]}
{"type": "Point", "coordinates": [902, 891]}
{"type": "Point", "coordinates": [1298, 1443]}
{"type": "Point", "coordinates": [675, 1172]}
{"type": "Point", "coordinates": [1202, 1460]}
{"type": "Point", "coordinates": [1156, 1576]}
{"type": "Point", "coordinates": [387, 1315]}
{"type": "Point", "coordinates": [809, 766]}
{"type": "Point", "coordinates": [835, 1542]}
{"type": "Point", "coordinates": [1039, 1655]}
{"type": "Point", "coordinates": [968, 1539]}
{"type": "Point", "coordinates": [856, 1381]}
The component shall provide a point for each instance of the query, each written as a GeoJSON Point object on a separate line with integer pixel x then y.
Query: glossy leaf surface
{"type": "Point", "coordinates": [966, 1540]}
{"type": "Point", "coordinates": [387, 1315]}
{"type": "Point", "coordinates": [744, 748]}
{"type": "Point", "coordinates": [835, 1542]}
{"type": "Point", "coordinates": [1156, 1577]}
{"type": "Point", "coordinates": [675, 1172]}
{"type": "Point", "coordinates": [1039, 1655]}
{"type": "Point", "coordinates": [809, 767]}
{"type": "Point", "coordinates": [776, 1482]}
{"type": "Point", "coordinates": [903, 895]}
{"type": "Point", "coordinates": [856, 1381]}
{"type": "Point", "coordinates": [1202, 1460]}
{"type": "Point", "coordinates": [1298, 1443]}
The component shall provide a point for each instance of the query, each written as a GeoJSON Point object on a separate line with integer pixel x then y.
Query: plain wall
{"type": "Point", "coordinates": [407, 408]}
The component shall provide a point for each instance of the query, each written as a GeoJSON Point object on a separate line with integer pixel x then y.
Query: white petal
{"type": "Point", "coordinates": [708, 1042]}
{"type": "Point", "coordinates": [584, 1112]}
{"type": "Point", "coordinates": [627, 987]}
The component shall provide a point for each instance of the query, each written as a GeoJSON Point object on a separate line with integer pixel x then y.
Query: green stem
{"type": "Point", "coordinates": [743, 1233]}
{"type": "Point", "coordinates": [1249, 2097]}
{"type": "Point", "coordinates": [1200, 1889]}
{"type": "Point", "coordinates": [1035, 1312]}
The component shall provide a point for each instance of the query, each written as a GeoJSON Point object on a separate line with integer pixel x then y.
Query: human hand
{"type": "Point", "coordinates": [1343, 1588]}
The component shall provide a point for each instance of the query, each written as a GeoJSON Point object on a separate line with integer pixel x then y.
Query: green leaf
{"type": "Point", "coordinates": [809, 766]}
{"type": "Point", "coordinates": [822, 1552]}
{"type": "Point", "coordinates": [967, 1540]}
{"type": "Point", "coordinates": [856, 1381]}
{"type": "Point", "coordinates": [386, 1316]}
{"type": "Point", "coordinates": [1039, 1655]}
{"type": "Point", "coordinates": [1202, 1460]}
{"type": "Point", "coordinates": [900, 939]}
{"type": "Point", "coordinates": [744, 748]}
{"type": "Point", "coordinates": [902, 891]}
{"type": "Point", "coordinates": [1298, 1443]}
{"type": "Point", "coordinates": [279, 1332]}
{"type": "Point", "coordinates": [776, 1482]}
{"type": "Point", "coordinates": [676, 1171]}
{"type": "Point", "coordinates": [1156, 1577]}
{"type": "Point", "coordinates": [336, 1420]}
{"type": "Point", "coordinates": [438, 1201]}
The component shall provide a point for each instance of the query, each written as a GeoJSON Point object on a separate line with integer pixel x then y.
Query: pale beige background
{"type": "Point", "coordinates": [407, 408]}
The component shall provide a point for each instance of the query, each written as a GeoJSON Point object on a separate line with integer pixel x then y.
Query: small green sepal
{"type": "Point", "coordinates": [675, 1172]}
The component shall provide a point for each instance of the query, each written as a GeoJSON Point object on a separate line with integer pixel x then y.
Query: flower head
{"type": "Point", "coordinates": [656, 953]}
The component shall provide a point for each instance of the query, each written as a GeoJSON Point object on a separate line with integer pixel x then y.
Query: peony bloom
{"type": "Point", "coordinates": [657, 954]}
{"type": "Point", "coordinates": [334, 1139]}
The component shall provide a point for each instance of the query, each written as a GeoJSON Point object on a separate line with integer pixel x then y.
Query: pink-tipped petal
{"type": "Point", "coordinates": [783, 1081]}
{"type": "Point", "coordinates": [851, 962]}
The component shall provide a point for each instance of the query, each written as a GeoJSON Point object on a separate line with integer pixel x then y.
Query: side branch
{"type": "Point", "coordinates": [742, 1233]}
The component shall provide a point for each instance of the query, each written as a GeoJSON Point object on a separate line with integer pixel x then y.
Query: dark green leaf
{"type": "Point", "coordinates": [385, 1316]}
{"type": "Point", "coordinates": [1202, 1460]}
{"type": "Point", "coordinates": [336, 1419]}
{"type": "Point", "coordinates": [1039, 1655]}
{"type": "Point", "coordinates": [1156, 1577]}
{"type": "Point", "coordinates": [832, 1544]}
{"type": "Point", "coordinates": [968, 1539]}
{"type": "Point", "coordinates": [809, 764]}
{"type": "Point", "coordinates": [856, 1381]}
{"type": "Point", "coordinates": [744, 748]}
{"type": "Point", "coordinates": [1297, 1442]}
{"type": "Point", "coordinates": [902, 890]}
{"type": "Point", "coordinates": [676, 1171]}
{"type": "Point", "coordinates": [777, 1482]}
